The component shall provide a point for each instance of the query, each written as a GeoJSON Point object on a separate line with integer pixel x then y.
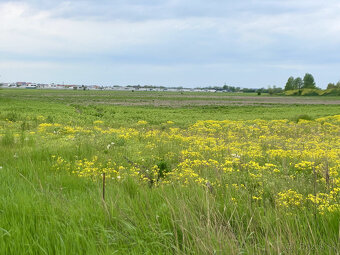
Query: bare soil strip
{"type": "Point", "coordinates": [231, 101]}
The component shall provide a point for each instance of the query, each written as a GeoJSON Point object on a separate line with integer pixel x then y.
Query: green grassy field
{"type": "Point", "coordinates": [185, 173]}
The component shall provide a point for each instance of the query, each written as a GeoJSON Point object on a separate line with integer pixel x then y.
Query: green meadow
{"type": "Point", "coordinates": [186, 173]}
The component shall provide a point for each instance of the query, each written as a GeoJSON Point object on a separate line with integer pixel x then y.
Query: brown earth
{"type": "Point", "coordinates": [233, 100]}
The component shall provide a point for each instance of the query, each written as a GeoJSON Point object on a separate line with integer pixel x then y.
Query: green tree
{"type": "Point", "coordinates": [290, 83]}
{"type": "Point", "coordinates": [331, 86]}
{"type": "Point", "coordinates": [270, 90]}
{"type": "Point", "coordinates": [298, 83]}
{"type": "Point", "coordinates": [274, 90]}
{"type": "Point", "coordinates": [308, 81]}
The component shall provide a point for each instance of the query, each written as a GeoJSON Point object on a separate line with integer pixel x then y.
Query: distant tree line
{"type": "Point", "coordinates": [307, 87]}
{"type": "Point", "coordinates": [270, 90]}
{"type": "Point", "coordinates": [231, 88]}
{"type": "Point", "coordinates": [307, 82]}
{"type": "Point", "coordinates": [333, 85]}
{"type": "Point", "coordinates": [223, 88]}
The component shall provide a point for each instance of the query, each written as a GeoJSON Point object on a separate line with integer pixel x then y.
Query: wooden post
{"type": "Point", "coordinates": [327, 174]}
{"type": "Point", "coordinates": [104, 187]}
{"type": "Point", "coordinates": [314, 191]}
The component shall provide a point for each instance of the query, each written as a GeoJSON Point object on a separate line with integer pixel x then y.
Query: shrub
{"type": "Point", "coordinates": [331, 92]}
{"type": "Point", "coordinates": [294, 92]}
{"type": "Point", "coordinates": [163, 169]}
{"type": "Point", "coordinates": [302, 117]}
{"type": "Point", "coordinates": [311, 92]}
{"type": "Point", "coordinates": [12, 116]}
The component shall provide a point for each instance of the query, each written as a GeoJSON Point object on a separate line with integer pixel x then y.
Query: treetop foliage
{"type": "Point", "coordinates": [298, 83]}
{"type": "Point", "coordinates": [308, 81]}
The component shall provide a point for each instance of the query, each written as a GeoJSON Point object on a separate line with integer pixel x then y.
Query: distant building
{"type": "Point", "coordinates": [21, 84]}
{"type": "Point", "coordinates": [31, 86]}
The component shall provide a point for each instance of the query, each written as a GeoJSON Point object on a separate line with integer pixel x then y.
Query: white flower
{"type": "Point", "coordinates": [109, 145]}
{"type": "Point", "coordinates": [0, 167]}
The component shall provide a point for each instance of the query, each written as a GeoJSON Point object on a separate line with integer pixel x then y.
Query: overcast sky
{"type": "Point", "coordinates": [247, 43]}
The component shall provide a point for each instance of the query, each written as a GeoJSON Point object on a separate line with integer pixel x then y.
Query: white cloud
{"type": "Point", "coordinates": [25, 30]}
{"type": "Point", "coordinates": [58, 34]}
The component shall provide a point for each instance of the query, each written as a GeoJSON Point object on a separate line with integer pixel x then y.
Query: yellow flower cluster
{"type": "Point", "coordinates": [298, 164]}
{"type": "Point", "coordinates": [142, 122]}
{"type": "Point", "coordinates": [289, 198]}
{"type": "Point", "coordinates": [45, 127]}
{"type": "Point", "coordinates": [326, 202]}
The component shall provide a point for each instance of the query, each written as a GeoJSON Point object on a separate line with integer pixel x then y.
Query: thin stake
{"type": "Point", "coordinates": [314, 191]}
{"type": "Point", "coordinates": [103, 186]}
{"type": "Point", "coordinates": [327, 174]}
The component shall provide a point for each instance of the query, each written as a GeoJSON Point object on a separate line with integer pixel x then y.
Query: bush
{"type": "Point", "coordinates": [12, 116]}
{"type": "Point", "coordinates": [302, 117]}
{"type": "Point", "coordinates": [331, 92]}
{"type": "Point", "coordinates": [294, 92]}
{"type": "Point", "coordinates": [311, 92]}
{"type": "Point", "coordinates": [304, 92]}
{"type": "Point", "coordinates": [163, 169]}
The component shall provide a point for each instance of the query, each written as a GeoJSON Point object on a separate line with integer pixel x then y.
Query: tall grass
{"type": "Point", "coordinates": [46, 212]}
{"type": "Point", "coordinates": [49, 211]}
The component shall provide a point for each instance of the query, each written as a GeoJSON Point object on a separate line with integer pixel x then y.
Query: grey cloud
{"type": "Point", "coordinates": [183, 38]}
